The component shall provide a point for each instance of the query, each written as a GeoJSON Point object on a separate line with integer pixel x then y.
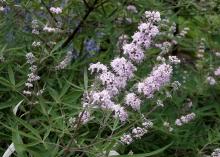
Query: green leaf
{"type": "Point", "coordinates": [65, 87]}
{"type": "Point", "coordinates": [75, 86]}
{"type": "Point", "coordinates": [9, 103]}
{"type": "Point", "coordinates": [18, 143]}
{"type": "Point", "coordinates": [148, 154]}
{"type": "Point", "coordinates": [5, 82]}
{"type": "Point", "coordinates": [20, 132]}
{"type": "Point", "coordinates": [29, 127]}
{"type": "Point", "coordinates": [58, 45]}
{"type": "Point", "coordinates": [11, 75]}
{"type": "Point", "coordinates": [47, 133]}
{"type": "Point", "coordinates": [19, 84]}
{"type": "Point", "coordinates": [54, 94]}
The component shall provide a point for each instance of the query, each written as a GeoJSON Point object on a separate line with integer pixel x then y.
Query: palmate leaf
{"type": "Point", "coordinates": [156, 152]}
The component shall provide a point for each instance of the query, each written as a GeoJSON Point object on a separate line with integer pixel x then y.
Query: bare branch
{"type": "Point", "coordinates": [86, 3]}
{"type": "Point", "coordinates": [69, 39]}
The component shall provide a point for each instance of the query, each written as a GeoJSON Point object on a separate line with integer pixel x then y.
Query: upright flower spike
{"type": "Point", "coordinates": [164, 47]}
{"type": "Point", "coordinates": [67, 60]}
{"type": "Point", "coordinates": [175, 85]}
{"type": "Point", "coordinates": [142, 38]}
{"type": "Point", "coordinates": [153, 16]}
{"type": "Point", "coordinates": [36, 43]}
{"type": "Point", "coordinates": [119, 112]}
{"type": "Point", "coordinates": [134, 52]}
{"type": "Point", "coordinates": [217, 72]}
{"type": "Point", "coordinates": [132, 100]}
{"type": "Point", "coordinates": [174, 60]}
{"type": "Point", "coordinates": [97, 67]}
{"type": "Point", "coordinates": [185, 119]}
{"type": "Point", "coordinates": [56, 10]}
{"type": "Point", "coordinates": [112, 82]}
{"type": "Point", "coordinates": [50, 29]}
{"type": "Point", "coordinates": [123, 68]}
{"type": "Point", "coordinates": [148, 29]}
{"type": "Point", "coordinates": [32, 76]}
{"type": "Point", "coordinates": [138, 132]}
{"type": "Point", "coordinates": [211, 80]}
{"type": "Point", "coordinates": [147, 124]}
{"type": "Point", "coordinates": [217, 54]}
{"type": "Point", "coordinates": [126, 139]}
{"type": "Point", "coordinates": [84, 116]}
{"type": "Point", "coordinates": [132, 8]}
{"type": "Point", "coordinates": [216, 153]}
{"type": "Point", "coordinates": [30, 58]}
{"type": "Point", "coordinates": [102, 99]}
{"type": "Point", "coordinates": [157, 79]}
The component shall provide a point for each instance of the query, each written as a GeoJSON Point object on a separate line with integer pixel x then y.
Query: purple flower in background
{"type": "Point", "coordinates": [100, 34]}
{"type": "Point", "coordinates": [9, 37]}
{"type": "Point", "coordinates": [6, 10]}
{"type": "Point", "coordinates": [17, 1]}
{"type": "Point", "coordinates": [27, 22]}
{"type": "Point", "coordinates": [75, 53]}
{"type": "Point", "coordinates": [91, 45]}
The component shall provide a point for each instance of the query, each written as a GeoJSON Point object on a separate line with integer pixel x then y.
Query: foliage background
{"type": "Point", "coordinates": [43, 129]}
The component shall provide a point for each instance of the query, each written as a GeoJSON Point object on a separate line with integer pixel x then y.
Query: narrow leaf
{"type": "Point", "coordinates": [148, 154]}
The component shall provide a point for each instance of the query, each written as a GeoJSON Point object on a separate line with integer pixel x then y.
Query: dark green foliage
{"type": "Point", "coordinates": [41, 126]}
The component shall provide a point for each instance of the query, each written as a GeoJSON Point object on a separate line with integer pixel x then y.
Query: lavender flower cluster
{"type": "Point", "coordinates": [185, 119]}
{"type": "Point", "coordinates": [137, 132]}
{"type": "Point", "coordinates": [217, 72]}
{"type": "Point", "coordinates": [56, 10]}
{"type": "Point", "coordinates": [111, 80]}
{"type": "Point", "coordinates": [122, 69]}
{"type": "Point", "coordinates": [158, 78]}
{"type": "Point", "coordinates": [201, 49]}
{"type": "Point", "coordinates": [32, 77]}
{"type": "Point", "coordinates": [216, 153]}
{"type": "Point", "coordinates": [37, 28]}
{"type": "Point", "coordinates": [143, 37]}
{"type": "Point", "coordinates": [210, 79]}
{"type": "Point", "coordinates": [65, 62]}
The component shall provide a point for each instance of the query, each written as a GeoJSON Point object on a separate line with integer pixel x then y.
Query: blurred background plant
{"type": "Point", "coordinates": [65, 36]}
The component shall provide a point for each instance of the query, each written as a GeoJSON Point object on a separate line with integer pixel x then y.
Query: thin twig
{"type": "Point", "coordinates": [77, 123]}
{"type": "Point", "coordinates": [86, 3]}
{"type": "Point", "coordinates": [100, 4]}
{"type": "Point", "coordinates": [69, 39]}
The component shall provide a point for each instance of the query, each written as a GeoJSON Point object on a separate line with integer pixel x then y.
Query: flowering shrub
{"type": "Point", "coordinates": [108, 78]}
